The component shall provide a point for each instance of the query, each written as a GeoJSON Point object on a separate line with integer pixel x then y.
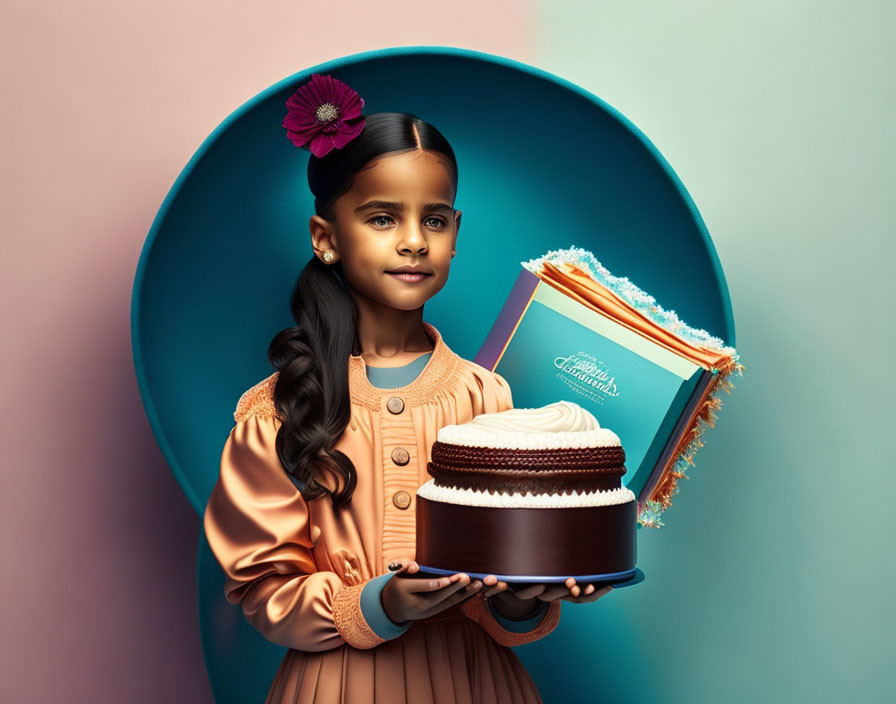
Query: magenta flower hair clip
{"type": "Point", "coordinates": [324, 114]}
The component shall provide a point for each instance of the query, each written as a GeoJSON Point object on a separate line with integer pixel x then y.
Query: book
{"type": "Point", "coordinates": [570, 330]}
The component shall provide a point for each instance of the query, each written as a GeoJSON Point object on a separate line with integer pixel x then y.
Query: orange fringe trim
{"type": "Point", "coordinates": [704, 417]}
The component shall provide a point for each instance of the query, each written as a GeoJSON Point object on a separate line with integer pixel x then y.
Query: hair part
{"type": "Point", "coordinates": [384, 133]}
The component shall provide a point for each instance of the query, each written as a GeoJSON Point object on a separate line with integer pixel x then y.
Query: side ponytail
{"type": "Point", "coordinates": [312, 394]}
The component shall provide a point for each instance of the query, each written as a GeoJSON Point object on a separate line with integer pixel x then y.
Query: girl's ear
{"type": "Point", "coordinates": [322, 237]}
{"type": "Point", "coordinates": [457, 214]}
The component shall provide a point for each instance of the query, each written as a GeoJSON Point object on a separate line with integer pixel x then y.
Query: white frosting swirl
{"type": "Point", "coordinates": [562, 424]}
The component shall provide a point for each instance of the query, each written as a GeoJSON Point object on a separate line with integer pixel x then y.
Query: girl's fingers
{"type": "Point", "coordinates": [559, 591]}
{"type": "Point", "coordinates": [530, 590]}
{"type": "Point", "coordinates": [593, 596]}
{"type": "Point", "coordinates": [469, 589]}
{"type": "Point", "coordinates": [553, 591]}
{"type": "Point", "coordinates": [497, 587]}
{"type": "Point", "coordinates": [404, 566]}
{"type": "Point", "coordinates": [450, 583]}
{"type": "Point", "coordinates": [454, 598]}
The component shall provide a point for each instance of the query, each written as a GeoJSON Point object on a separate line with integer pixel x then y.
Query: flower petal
{"type": "Point", "coordinates": [347, 132]}
{"type": "Point", "coordinates": [322, 144]}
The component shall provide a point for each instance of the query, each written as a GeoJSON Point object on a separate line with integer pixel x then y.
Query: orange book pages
{"type": "Point", "coordinates": [563, 287]}
{"type": "Point", "coordinates": [579, 274]}
{"type": "Point", "coordinates": [573, 280]}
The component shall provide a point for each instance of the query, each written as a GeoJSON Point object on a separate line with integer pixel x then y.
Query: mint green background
{"type": "Point", "coordinates": [772, 579]}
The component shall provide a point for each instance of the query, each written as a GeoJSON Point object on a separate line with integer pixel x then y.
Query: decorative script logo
{"type": "Point", "coordinates": [587, 376]}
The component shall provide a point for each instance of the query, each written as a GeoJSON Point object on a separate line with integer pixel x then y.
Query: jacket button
{"type": "Point", "coordinates": [395, 405]}
{"type": "Point", "coordinates": [402, 499]}
{"type": "Point", "coordinates": [400, 456]}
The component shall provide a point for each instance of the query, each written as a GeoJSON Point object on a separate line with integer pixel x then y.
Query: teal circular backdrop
{"type": "Point", "coordinates": [543, 164]}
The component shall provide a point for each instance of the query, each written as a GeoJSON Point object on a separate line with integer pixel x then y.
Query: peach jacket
{"type": "Point", "coordinates": [298, 567]}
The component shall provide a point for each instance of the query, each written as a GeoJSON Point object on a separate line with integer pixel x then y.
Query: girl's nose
{"type": "Point", "coordinates": [413, 239]}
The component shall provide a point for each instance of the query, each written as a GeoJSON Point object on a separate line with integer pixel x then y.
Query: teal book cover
{"type": "Point", "coordinates": [550, 347]}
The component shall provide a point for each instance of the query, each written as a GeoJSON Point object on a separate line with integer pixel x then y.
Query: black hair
{"type": "Point", "coordinates": [312, 390]}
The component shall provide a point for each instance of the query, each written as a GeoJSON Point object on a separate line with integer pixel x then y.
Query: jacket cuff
{"type": "Point", "coordinates": [519, 625]}
{"type": "Point", "coordinates": [349, 618]}
{"type": "Point", "coordinates": [374, 613]}
{"type": "Point", "coordinates": [476, 609]}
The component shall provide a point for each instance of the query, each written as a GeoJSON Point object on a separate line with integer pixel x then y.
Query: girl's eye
{"type": "Point", "coordinates": [376, 219]}
{"type": "Point", "coordinates": [379, 217]}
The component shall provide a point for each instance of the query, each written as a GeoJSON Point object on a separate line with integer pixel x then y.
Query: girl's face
{"type": "Point", "coordinates": [399, 213]}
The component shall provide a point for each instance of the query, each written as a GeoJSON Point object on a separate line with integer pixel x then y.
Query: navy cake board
{"type": "Point", "coordinates": [615, 579]}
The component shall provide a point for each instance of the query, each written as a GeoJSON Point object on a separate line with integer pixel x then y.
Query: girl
{"type": "Point", "coordinates": [312, 517]}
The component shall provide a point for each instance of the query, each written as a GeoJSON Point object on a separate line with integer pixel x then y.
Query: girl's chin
{"type": "Point", "coordinates": [410, 300]}
{"type": "Point", "coordinates": [408, 304]}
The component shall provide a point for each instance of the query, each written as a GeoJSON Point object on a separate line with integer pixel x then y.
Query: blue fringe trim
{"type": "Point", "coordinates": [631, 294]}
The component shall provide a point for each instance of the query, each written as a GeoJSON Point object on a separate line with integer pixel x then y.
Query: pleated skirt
{"type": "Point", "coordinates": [449, 659]}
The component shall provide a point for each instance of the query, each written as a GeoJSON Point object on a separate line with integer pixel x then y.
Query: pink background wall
{"type": "Point", "coordinates": [104, 103]}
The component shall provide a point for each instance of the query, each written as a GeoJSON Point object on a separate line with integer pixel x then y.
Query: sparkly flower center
{"type": "Point", "coordinates": [327, 113]}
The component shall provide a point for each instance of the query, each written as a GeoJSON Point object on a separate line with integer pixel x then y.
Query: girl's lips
{"type": "Point", "coordinates": [410, 278]}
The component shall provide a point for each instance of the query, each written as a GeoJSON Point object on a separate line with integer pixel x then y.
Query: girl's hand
{"type": "Point", "coordinates": [518, 601]}
{"type": "Point", "coordinates": [409, 598]}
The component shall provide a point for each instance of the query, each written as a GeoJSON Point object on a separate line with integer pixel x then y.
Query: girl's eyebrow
{"type": "Point", "coordinates": [391, 205]}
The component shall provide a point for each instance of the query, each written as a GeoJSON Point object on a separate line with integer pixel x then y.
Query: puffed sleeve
{"type": "Point", "coordinates": [502, 392]}
{"type": "Point", "coordinates": [258, 526]}
{"type": "Point", "coordinates": [490, 390]}
{"type": "Point", "coordinates": [496, 397]}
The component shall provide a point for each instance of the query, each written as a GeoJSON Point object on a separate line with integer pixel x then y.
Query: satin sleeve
{"type": "Point", "coordinates": [258, 526]}
{"type": "Point", "coordinates": [496, 396]}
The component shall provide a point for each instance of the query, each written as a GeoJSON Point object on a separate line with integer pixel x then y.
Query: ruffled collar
{"type": "Point", "coordinates": [429, 382]}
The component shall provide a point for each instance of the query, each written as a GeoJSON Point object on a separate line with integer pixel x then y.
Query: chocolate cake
{"type": "Point", "coordinates": [528, 492]}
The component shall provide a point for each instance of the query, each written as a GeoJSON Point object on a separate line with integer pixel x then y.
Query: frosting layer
{"type": "Point", "coordinates": [557, 425]}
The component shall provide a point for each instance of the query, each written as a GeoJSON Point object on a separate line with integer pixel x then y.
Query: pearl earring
{"type": "Point", "coordinates": [329, 256]}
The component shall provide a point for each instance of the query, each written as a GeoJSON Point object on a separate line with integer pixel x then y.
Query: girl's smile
{"type": "Point", "coordinates": [410, 278]}
{"type": "Point", "coordinates": [411, 274]}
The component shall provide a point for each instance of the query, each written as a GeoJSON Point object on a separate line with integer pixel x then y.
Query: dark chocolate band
{"type": "Point", "coordinates": [584, 458]}
{"type": "Point", "coordinates": [544, 471]}
{"type": "Point", "coordinates": [543, 541]}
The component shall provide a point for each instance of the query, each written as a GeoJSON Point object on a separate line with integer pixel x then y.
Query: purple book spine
{"type": "Point", "coordinates": [510, 315]}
